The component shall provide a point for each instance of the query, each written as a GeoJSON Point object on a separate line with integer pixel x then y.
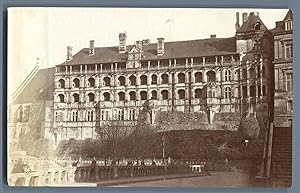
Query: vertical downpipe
{"type": "Point", "coordinates": [173, 91]}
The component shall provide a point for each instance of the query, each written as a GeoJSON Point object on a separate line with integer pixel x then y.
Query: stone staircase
{"type": "Point", "coordinates": [281, 168]}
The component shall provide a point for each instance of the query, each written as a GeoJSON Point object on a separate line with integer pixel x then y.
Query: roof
{"type": "Point", "coordinates": [179, 49]}
{"type": "Point", "coordinates": [280, 25]}
{"type": "Point", "coordinates": [40, 87]}
{"type": "Point", "coordinates": [248, 25]}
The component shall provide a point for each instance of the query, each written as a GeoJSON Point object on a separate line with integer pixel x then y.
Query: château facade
{"type": "Point", "coordinates": [208, 76]}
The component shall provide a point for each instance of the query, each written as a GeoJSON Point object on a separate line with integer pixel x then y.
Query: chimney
{"type": "Point", "coordinates": [245, 17]}
{"type": "Point", "coordinates": [160, 46]}
{"type": "Point", "coordinates": [92, 47]}
{"type": "Point", "coordinates": [237, 23]}
{"type": "Point", "coordinates": [254, 13]}
{"type": "Point", "coordinates": [122, 42]}
{"type": "Point", "coordinates": [139, 45]}
{"type": "Point", "coordinates": [213, 36]}
{"type": "Point", "coordinates": [69, 53]}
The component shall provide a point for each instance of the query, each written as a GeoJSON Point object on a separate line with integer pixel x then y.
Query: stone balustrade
{"type": "Point", "coordinates": [98, 173]}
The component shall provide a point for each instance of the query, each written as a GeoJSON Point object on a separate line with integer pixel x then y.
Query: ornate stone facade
{"type": "Point", "coordinates": [207, 76]}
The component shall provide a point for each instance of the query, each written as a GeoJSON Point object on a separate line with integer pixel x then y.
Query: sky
{"type": "Point", "coordinates": [41, 35]}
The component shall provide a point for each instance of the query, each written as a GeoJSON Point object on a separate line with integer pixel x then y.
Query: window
{"type": "Point", "coordinates": [26, 113]}
{"type": "Point", "coordinates": [74, 116]}
{"type": "Point", "coordinates": [121, 96]}
{"type": "Point", "coordinates": [76, 83]}
{"type": "Point", "coordinates": [56, 116]}
{"type": "Point", "coordinates": [198, 77]}
{"type": "Point", "coordinates": [102, 115]}
{"type": "Point", "coordinates": [288, 25]}
{"type": "Point", "coordinates": [164, 79]}
{"type": "Point", "coordinates": [290, 106]}
{"type": "Point", "coordinates": [257, 26]}
{"type": "Point", "coordinates": [121, 80]}
{"type": "Point", "coordinates": [106, 96]}
{"type": "Point", "coordinates": [244, 74]}
{"type": "Point", "coordinates": [181, 94]}
{"type": "Point", "coordinates": [61, 98]}
{"type": "Point", "coordinates": [289, 81]}
{"type": "Point", "coordinates": [20, 114]}
{"type": "Point", "coordinates": [252, 91]}
{"type": "Point", "coordinates": [227, 92]}
{"type": "Point", "coordinates": [143, 95]}
{"type": "Point", "coordinates": [198, 93]}
{"type": "Point", "coordinates": [211, 93]}
{"type": "Point", "coordinates": [244, 91]}
{"type": "Point", "coordinates": [252, 73]}
{"type": "Point", "coordinates": [211, 76]}
{"type": "Point", "coordinates": [91, 97]}
{"type": "Point", "coordinates": [120, 115]}
{"type": "Point", "coordinates": [106, 81]}
{"type": "Point", "coordinates": [154, 94]}
{"type": "Point", "coordinates": [164, 94]}
{"type": "Point", "coordinates": [143, 80]}
{"type": "Point", "coordinates": [75, 98]}
{"type": "Point", "coordinates": [90, 115]}
{"type": "Point", "coordinates": [181, 78]}
{"type": "Point", "coordinates": [91, 82]}
{"type": "Point", "coordinates": [132, 96]}
{"type": "Point", "coordinates": [154, 79]}
{"type": "Point", "coordinates": [132, 80]}
{"type": "Point", "coordinates": [289, 50]}
{"type": "Point", "coordinates": [227, 75]}
{"type": "Point", "coordinates": [131, 114]}
{"type": "Point", "coordinates": [61, 83]}
{"type": "Point", "coordinates": [264, 90]}
{"type": "Point", "coordinates": [107, 115]}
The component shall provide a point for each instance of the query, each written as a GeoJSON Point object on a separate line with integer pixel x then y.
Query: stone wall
{"type": "Point", "coordinates": [189, 121]}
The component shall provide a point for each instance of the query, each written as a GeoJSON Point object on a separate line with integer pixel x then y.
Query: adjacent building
{"type": "Point", "coordinates": [211, 76]}
{"type": "Point", "coordinates": [283, 66]}
{"type": "Point", "coordinates": [30, 116]}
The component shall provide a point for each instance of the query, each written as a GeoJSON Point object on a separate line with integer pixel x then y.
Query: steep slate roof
{"type": "Point", "coordinates": [280, 26]}
{"type": "Point", "coordinates": [179, 49]}
{"type": "Point", "coordinates": [248, 25]}
{"type": "Point", "coordinates": [41, 87]}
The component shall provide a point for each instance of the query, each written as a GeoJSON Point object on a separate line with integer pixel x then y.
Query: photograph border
{"type": "Point", "coordinates": [295, 6]}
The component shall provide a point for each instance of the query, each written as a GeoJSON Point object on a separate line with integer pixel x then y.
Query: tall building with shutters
{"type": "Point", "coordinates": [212, 77]}
{"type": "Point", "coordinates": [283, 66]}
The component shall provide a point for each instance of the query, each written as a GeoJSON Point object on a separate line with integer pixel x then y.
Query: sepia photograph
{"type": "Point", "coordinates": [149, 97]}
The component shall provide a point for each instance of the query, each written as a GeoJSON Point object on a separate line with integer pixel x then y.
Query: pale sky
{"type": "Point", "coordinates": [44, 33]}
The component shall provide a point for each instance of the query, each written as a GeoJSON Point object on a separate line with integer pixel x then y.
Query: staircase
{"type": "Point", "coordinates": [281, 169]}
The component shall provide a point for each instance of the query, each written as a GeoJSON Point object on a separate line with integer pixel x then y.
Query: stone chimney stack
{"type": "Point", "coordinates": [92, 47]}
{"type": "Point", "coordinates": [237, 23]}
{"type": "Point", "coordinates": [122, 42]}
{"type": "Point", "coordinates": [160, 46]}
{"type": "Point", "coordinates": [69, 53]}
{"type": "Point", "coordinates": [139, 45]}
{"type": "Point", "coordinates": [245, 17]}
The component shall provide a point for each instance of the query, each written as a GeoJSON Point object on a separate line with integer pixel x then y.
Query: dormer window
{"type": "Point", "coordinates": [288, 25]}
{"type": "Point", "coordinates": [256, 26]}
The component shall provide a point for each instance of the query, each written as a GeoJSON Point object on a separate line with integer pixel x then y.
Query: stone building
{"type": "Point", "coordinates": [30, 115]}
{"type": "Point", "coordinates": [283, 64]}
{"type": "Point", "coordinates": [207, 76]}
